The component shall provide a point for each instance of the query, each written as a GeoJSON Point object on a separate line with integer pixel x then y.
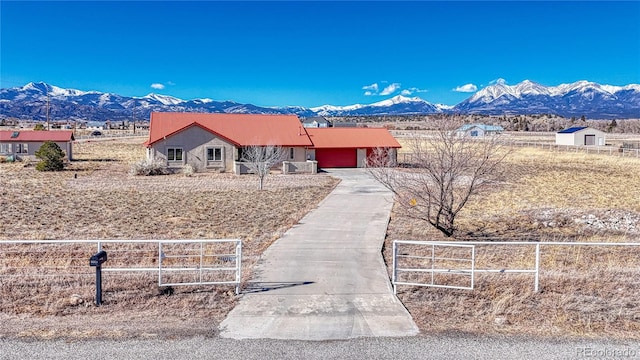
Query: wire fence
{"type": "Point", "coordinates": [109, 135]}
{"type": "Point", "coordinates": [591, 149]}
{"type": "Point", "coordinates": [408, 157]}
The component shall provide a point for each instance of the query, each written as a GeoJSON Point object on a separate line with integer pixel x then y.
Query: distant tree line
{"type": "Point", "coordinates": [533, 122]}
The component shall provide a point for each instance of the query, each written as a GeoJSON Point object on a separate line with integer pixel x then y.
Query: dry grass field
{"type": "Point", "coordinates": [96, 198]}
{"type": "Point", "coordinates": [548, 196]}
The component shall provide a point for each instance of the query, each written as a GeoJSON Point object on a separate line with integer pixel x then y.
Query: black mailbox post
{"type": "Point", "coordinates": [97, 260]}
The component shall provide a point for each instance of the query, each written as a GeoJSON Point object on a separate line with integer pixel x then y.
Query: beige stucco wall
{"type": "Point", "coordinates": [299, 154]}
{"type": "Point", "coordinates": [33, 146]}
{"type": "Point", "coordinates": [294, 167]}
{"type": "Point", "coordinates": [311, 154]}
{"type": "Point", "coordinates": [194, 142]}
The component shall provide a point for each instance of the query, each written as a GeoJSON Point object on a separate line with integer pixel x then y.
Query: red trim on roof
{"type": "Point", "coordinates": [325, 138]}
{"type": "Point", "coordinates": [36, 136]}
{"type": "Point", "coordinates": [238, 129]}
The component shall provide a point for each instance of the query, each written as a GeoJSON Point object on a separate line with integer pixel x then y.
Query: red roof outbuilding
{"type": "Point", "coordinates": [36, 136]}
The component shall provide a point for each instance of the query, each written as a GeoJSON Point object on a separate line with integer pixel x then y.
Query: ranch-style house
{"type": "Point", "coordinates": [214, 142]}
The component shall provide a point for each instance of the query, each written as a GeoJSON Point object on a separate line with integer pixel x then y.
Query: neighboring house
{"type": "Point", "coordinates": [215, 141]}
{"type": "Point", "coordinates": [349, 147]}
{"type": "Point", "coordinates": [580, 135]}
{"type": "Point", "coordinates": [344, 124]}
{"type": "Point", "coordinates": [479, 130]}
{"type": "Point", "coordinates": [316, 122]}
{"type": "Point", "coordinates": [24, 144]}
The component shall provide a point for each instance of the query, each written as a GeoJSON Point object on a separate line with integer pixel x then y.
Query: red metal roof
{"type": "Point", "coordinates": [238, 129]}
{"type": "Point", "coordinates": [352, 138]}
{"type": "Point", "coordinates": [36, 136]}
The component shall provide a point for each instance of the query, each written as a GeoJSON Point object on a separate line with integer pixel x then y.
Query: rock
{"type": "Point", "coordinates": [501, 320]}
{"type": "Point", "coordinates": [76, 300]}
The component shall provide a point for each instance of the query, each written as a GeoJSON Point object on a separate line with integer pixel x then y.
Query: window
{"type": "Point", "coordinates": [174, 154]}
{"type": "Point", "coordinates": [22, 148]}
{"type": "Point", "coordinates": [214, 154]}
{"type": "Point", "coordinates": [291, 152]}
{"type": "Point", "coordinates": [6, 148]}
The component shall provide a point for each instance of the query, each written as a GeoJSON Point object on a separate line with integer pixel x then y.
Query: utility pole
{"type": "Point", "coordinates": [48, 127]}
{"type": "Point", "coordinates": [133, 114]}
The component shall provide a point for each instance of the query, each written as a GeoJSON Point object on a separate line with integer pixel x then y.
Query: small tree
{"type": "Point", "coordinates": [260, 159]}
{"type": "Point", "coordinates": [39, 127]}
{"type": "Point", "coordinates": [612, 126]}
{"type": "Point", "coordinates": [51, 156]}
{"type": "Point", "coordinates": [446, 170]}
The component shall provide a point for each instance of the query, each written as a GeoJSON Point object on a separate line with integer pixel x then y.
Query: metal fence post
{"type": "Point", "coordinates": [201, 260]}
{"type": "Point", "coordinates": [239, 266]}
{"type": "Point", "coordinates": [159, 263]}
{"type": "Point", "coordinates": [433, 262]}
{"type": "Point", "coordinates": [537, 267]}
{"type": "Point", "coordinates": [473, 265]}
{"type": "Point", "coordinates": [394, 271]}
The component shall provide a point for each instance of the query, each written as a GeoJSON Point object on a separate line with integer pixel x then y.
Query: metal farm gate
{"type": "Point", "coordinates": [177, 262]}
{"type": "Point", "coordinates": [443, 265]}
{"type": "Point", "coordinates": [184, 262]}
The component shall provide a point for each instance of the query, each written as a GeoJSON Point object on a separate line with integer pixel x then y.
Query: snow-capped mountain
{"type": "Point", "coordinates": [29, 102]}
{"type": "Point", "coordinates": [576, 99]}
{"type": "Point", "coordinates": [396, 105]}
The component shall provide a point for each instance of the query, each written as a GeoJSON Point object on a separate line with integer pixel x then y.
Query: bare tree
{"type": "Point", "coordinates": [445, 171]}
{"type": "Point", "coordinates": [260, 159]}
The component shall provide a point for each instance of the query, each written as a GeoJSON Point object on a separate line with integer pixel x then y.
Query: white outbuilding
{"type": "Point", "coordinates": [580, 136]}
{"type": "Point", "coordinates": [479, 130]}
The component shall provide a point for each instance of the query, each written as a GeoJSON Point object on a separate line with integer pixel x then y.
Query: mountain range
{"type": "Point", "coordinates": [586, 98]}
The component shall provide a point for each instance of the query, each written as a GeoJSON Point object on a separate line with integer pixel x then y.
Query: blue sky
{"type": "Point", "coordinates": [316, 53]}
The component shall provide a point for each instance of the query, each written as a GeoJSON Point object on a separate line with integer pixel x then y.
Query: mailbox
{"type": "Point", "coordinates": [98, 259]}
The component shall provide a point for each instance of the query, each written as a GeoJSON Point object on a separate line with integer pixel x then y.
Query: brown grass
{"type": "Point", "coordinates": [549, 196]}
{"type": "Point", "coordinates": [96, 198]}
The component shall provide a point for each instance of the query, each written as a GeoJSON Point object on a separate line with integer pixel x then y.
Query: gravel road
{"type": "Point", "coordinates": [419, 347]}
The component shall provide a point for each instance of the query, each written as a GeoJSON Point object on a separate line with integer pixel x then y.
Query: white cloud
{"type": "Point", "coordinates": [499, 81]}
{"type": "Point", "coordinates": [157, 86]}
{"type": "Point", "coordinates": [170, 83]}
{"type": "Point", "coordinates": [373, 87]}
{"type": "Point", "coordinates": [466, 88]}
{"type": "Point", "coordinates": [412, 90]}
{"type": "Point", "coordinates": [390, 89]}
{"type": "Point", "coordinates": [368, 93]}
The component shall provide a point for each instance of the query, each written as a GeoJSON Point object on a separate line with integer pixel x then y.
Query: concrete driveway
{"type": "Point", "coordinates": [325, 278]}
